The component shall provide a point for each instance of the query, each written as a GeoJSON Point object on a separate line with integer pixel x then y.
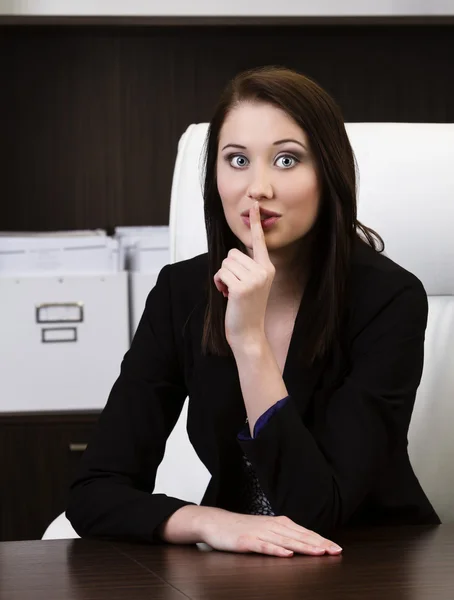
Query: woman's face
{"type": "Point", "coordinates": [264, 155]}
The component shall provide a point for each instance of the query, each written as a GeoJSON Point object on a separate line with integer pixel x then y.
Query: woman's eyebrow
{"type": "Point", "coordinates": [234, 146]}
{"type": "Point", "coordinates": [274, 144]}
{"type": "Point", "coordinates": [289, 140]}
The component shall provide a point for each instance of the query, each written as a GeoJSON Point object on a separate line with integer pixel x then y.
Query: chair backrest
{"type": "Point", "coordinates": [406, 193]}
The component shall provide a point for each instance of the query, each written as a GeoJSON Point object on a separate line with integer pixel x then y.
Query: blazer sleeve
{"type": "Point", "coordinates": [112, 494]}
{"type": "Point", "coordinates": [319, 478]}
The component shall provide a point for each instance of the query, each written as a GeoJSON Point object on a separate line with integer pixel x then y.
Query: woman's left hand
{"type": "Point", "coordinates": [246, 282]}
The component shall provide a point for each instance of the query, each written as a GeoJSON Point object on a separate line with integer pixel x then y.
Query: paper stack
{"type": "Point", "coordinates": [58, 253]}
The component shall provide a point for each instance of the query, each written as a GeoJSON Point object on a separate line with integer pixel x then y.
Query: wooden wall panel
{"type": "Point", "coordinates": [91, 115]}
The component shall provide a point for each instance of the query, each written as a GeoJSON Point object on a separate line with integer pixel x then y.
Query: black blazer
{"type": "Point", "coordinates": [334, 455]}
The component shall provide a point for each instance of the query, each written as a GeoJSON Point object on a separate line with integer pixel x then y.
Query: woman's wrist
{"type": "Point", "coordinates": [250, 347]}
{"type": "Point", "coordinates": [187, 524]}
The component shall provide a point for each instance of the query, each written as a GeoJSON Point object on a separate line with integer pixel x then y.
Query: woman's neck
{"type": "Point", "coordinates": [285, 289]}
{"type": "Point", "coordinates": [289, 279]}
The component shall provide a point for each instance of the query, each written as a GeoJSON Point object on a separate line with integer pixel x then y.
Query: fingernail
{"type": "Point", "coordinates": [335, 548]}
{"type": "Point", "coordinates": [319, 549]}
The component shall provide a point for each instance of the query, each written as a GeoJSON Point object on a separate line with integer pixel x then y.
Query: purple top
{"type": "Point", "coordinates": [244, 435]}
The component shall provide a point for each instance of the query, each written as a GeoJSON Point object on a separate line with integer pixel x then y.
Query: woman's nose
{"type": "Point", "coordinates": [260, 186]}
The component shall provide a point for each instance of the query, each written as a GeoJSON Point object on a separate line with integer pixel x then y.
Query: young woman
{"type": "Point", "coordinates": [299, 345]}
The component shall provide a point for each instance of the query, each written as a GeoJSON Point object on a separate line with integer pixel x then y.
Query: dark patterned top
{"type": "Point", "coordinates": [255, 501]}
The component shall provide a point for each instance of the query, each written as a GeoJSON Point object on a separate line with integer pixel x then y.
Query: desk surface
{"type": "Point", "coordinates": [415, 563]}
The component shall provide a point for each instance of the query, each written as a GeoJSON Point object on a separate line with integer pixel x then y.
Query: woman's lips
{"type": "Point", "coordinates": [266, 223]}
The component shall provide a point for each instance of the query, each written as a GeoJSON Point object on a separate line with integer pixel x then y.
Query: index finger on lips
{"type": "Point", "coordinates": [259, 249]}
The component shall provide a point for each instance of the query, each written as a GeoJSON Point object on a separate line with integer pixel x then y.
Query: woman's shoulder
{"type": "Point", "coordinates": [180, 288]}
{"type": "Point", "coordinates": [188, 279]}
{"type": "Point", "coordinates": [377, 270]}
{"type": "Point", "coordinates": [190, 270]}
{"type": "Point", "coordinates": [377, 280]}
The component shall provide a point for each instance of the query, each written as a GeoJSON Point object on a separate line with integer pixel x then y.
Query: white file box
{"type": "Point", "coordinates": [147, 255]}
{"type": "Point", "coordinates": [58, 255]}
{"type": "Point", "coordinates": [62, 340]}
{"type": "Point", "coordinates": [144, 249]}
{"type": "Point", "coordinates": [151, 253]}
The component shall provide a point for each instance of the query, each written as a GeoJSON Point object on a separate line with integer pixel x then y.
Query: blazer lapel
{"type": "Point", "coordinates": [301, 381]}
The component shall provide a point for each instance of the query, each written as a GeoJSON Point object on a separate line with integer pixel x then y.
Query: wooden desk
{"type": "Point", "coordinates": [396, 563]}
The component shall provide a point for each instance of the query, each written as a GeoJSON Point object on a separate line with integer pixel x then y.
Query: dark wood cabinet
{"type": "Point", "coordinates": [38, 455]}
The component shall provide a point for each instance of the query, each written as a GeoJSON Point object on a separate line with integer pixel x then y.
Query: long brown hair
{"type": "Point", "coordinates": [336, 227]}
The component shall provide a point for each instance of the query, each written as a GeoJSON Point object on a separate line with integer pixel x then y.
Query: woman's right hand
{"type": "Point", "coordinates": [276, 536]}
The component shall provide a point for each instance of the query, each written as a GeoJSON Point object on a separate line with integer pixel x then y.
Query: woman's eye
{"type": "Point", "coordinates": [286, 161]}
{"type": "Point", "coordinates": [237, 160]}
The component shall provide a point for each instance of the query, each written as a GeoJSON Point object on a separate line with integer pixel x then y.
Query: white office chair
{"type": "Point", "coordinates": [407, 195]}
